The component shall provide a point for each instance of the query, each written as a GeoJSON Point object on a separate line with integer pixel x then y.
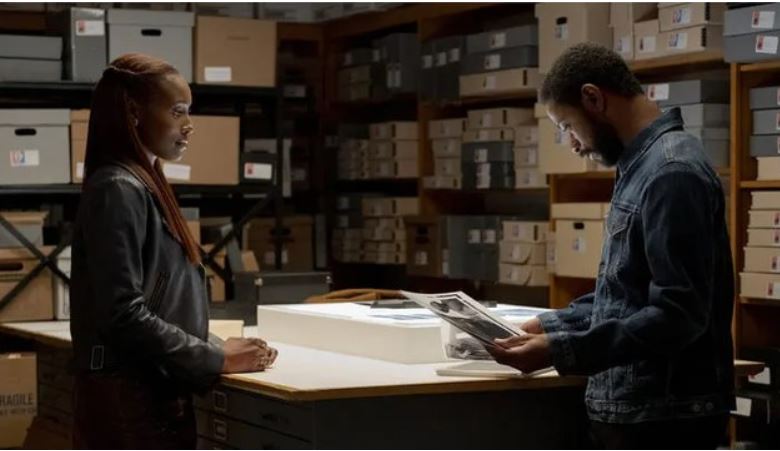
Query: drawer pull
{"type": "Point", "coordinates": [220, 430]}
{"type": "Point", "coordinates": [220, 401]}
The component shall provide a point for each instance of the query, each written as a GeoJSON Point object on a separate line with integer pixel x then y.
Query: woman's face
{"type": "Point", "coordinates": [164, 124]}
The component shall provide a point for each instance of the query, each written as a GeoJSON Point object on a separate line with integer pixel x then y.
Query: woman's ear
{"type": "Point", "coordinates": [135, 112]}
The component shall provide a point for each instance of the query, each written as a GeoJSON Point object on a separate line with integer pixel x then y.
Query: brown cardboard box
{"type": "Point", "coordinates": [394, 150]}
{"type": "Point", "coordinates": [232, 51]}
{"type": "Point", "coordinates": [763, 237]}
{"type": "Point", "coordinates": [36, 301]}
{"type": "Point", "coordinates": [446, 148]}
{"type": "Point", "coordinates": [489, 135]}
{"type": "Point", "coordinates": [500, 82]}
{"type": "Point", "coordinates": [297, 248]}
{"type": "Point", "coordinates": [525, 231]}
{"type": "Point", "coordinates": [764, 219]}
{"type": "Point", "coordinates": [579, 210]}
{"type": "Point", "coordinates": [446, 128]}
{"type": "Point", "coordinates": [765, 200]}
{"type": "Point", "coordinates": [391, 206]}
{"type": "Point", "coordinates": [79, 124]}
{"type": "Point", "coordinates": [768, 168]}
{"type": "Point", "coordinates": [442, 182]}
{"type": "Point", "coordinates": [194, 227]}
{"type": "Point", "coordinates": [673, 16]}
{"type": "Point", "coordinates": [523, 275]}
{"type": "Point", "coordinates": [555, 154]}
{"type": "Point", "coordinates": [395, 235]}
{"type": "Point", "coordinates": [529, 178]}
{"type": "Point", "coordinates": [562, 25]}
{"type": "Point", "coordinates": [226, 328]}
{"type": "Point", "coordinates": [526, 157]}
{"type": "Point", "coordinates": [762, 259]}
{"type": "Point", "coordinates": [579, 234]}
{"type": "Point", "coordinates": [623, 41]}
{"type": "Point", "coordinates": [527, 135]}
{"type": "Point", "coordinates": [447, 167]}
{"type": "Point", "coordinates": [29, 223]}
{"type": "Point", "coordinates": [691, 40]}
{"type": "Point", "coordinates": [392, 247]}
{"type": "Point", "coordinates": [646, 40]}
{"type": "Point", "coordinates": [760, 286]}
{"type": "Point", "coordinates": [394, 130]}
{"type": "Point", "coordinates": [499, 118]}
{"type": "Point", "coordinates": [621, 14]}
{"type": "Point", "coordinates": [393, 169]}
{"type": "Point", "coordinates": [523, 253]}
{"type": "Point", "coordinates": [19, 392]}
{"type": "Point", "coordinates": [212, 156]}
{"type": "Point", "coordinates": [216, 284]}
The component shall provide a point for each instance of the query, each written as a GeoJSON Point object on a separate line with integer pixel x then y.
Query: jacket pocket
{"type": "Point", "coordinates": [158, 292]}
{"type": "Point", "coordinates": [616, 245]}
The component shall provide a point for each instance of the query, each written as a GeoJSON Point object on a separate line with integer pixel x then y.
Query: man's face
{"type": "Point", "coordinates": [590, 136]}
{"type": "Point", "coordinates": [165, 125]}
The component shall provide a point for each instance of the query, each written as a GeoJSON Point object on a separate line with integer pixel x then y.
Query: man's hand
{"type": "Point", "coordinates": [532, 326]}
{"type": "Point", "coordinates": [245, 355]}
{"type": "Point", "coordinates": [526, 353]}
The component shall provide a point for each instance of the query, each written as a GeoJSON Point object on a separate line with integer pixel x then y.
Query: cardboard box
{"type": "Point", "coordinates": [357, 57]}
{"type": "Point", "coordinates": [562, 25]}
{"type": "Point", "coordinates": [521, 36]}
{"type": "Point", "coordinates": [764, 219]}
{"type": "Point", "coordinates": [768, 168]}
{"type": "Point", "coordinates": [765, 200]}
{"type": "Point", "coordinates": [622, 14]}
{"type": "Point", "coordinates": [393, 169]}
{"type": "Point", "coordinates": [297, 248]}
{"type": "Point", "coordinates": [760, 286]}
{"type": "Point", "coordinates": [555, 152]}
{"type": "Point", "coordinates": [499, 117]}
{"type": "Point", "coordinates": [524, 275]}
{"type": "Point", "coordinates": [688, 15]}
{"type": "Point", "coordinates": [523, 253]}
{"type": "Point", "coordinates": [384, 234]}
{"type": "Point", "coordinates": [688, 92]}
{"type": "Point", "coordinates": [251, 60]}
{"type": "Point", "coordinates": [85, 55]}
{"type": "Point", "coordinates": [500, 82]}
{"type": "Point", "coordinates": [356, 75]}
{"type": "Point", "coordinates": [398, 48]}
{"type": "Point", "coordinates": [424, 245]}
{"type": "Point", "coordinates": [488, 152]}
{"type": "Point", "coordinates": [390, 206]}
{"type": "Point", "coordinates": [579, 210]}
{"type": "Point", "coordinates": [765, 98]}
{"type": "Point", "coordinates": [763, 238]}
{"type": "Point", "coordinates": [30, 70]}
{"type": "Point", "coordinates": [28, 223]}
{"type": "Point", "coordinates": [769, 378]}
{"type": "Point", "coordinates": [705, 115]}
{"type": "Point", "coordinates": [443, 182]}
{"type": "Point", "coordinates": [216, 286]}
{"type": "Point", "coordinates": [19, 391]}
{"type": "Point", "coordinates": [526, 135]}
{"type": "Point", "coordinates": [446, 128]}
{"type": "Point", "coordinates": [79, 126]}
{"type": "Point", "coordinates": [623, 41]}
{"type": "Point", "coordinates": [578, 247]}
{"type": "Point", "coordinates": [526, 157]}
{"type": "Point", "coordinates": [762, 260]}
{"type": "Point", "coordinates": [352, 93]}
{"type": "Point", "coordinates": [447, 61]}
{"type": "Point", "coordinates": [750, 20]}
{"type": "Point", "coordinates": [446, 148]}
{"type": "Point", "coordinates": [34, 146]}
{"type": "Point", "coordinates": [30, 47]}
{"type": "Point", "coordinates": [212, 156]}
{"type": "Point", "coordinates": [766, 122]}
{"type": "Point", "coordinates": [447, 167]}
{"type": "Point", "coordinates": [646, 40]}
{"type": "Point", "coordinates": [525, 231]}
{"type": "Point", "coordinates": [35, 302]}
{"type": "Point", "coordinates": [394, 130]}
{"type": "Point", "coordinates": [510, 58]}
{"type": "Point", "coordinates": [751, 47]}
{"type": "Point", "coordinates": [395, 150]}
{"type": "Point", "coordinates": [488, 135]}
{"type": "Point", "coordinates": [691, 40]}
{"type": "Point", "coordinates": [427, 72]}
{"type": "Point", "coordinates": [348, 221]}
{"type": "Point", "coordinates": [709, 133]}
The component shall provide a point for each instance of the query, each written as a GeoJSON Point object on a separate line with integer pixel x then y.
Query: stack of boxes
{"type": "Point", "coordinates": [297, 242]}
{"type": "Point", "coordinates": [352, 153]}
{"type": "Point", "coordinates": [622, 17]}
{"type": "Point", "coordinates": [751, 33]}
{"type": "Point", "coordinates": [472, 247]}
{"type": "Point", "coordinates": [765, 140]}
{"type": "Point", "coordinates": [426, 241]}
{"type": "Point", "coordinates": [30, 58]}
{"type": "Point", "coordinates": [501, 61]}
{"type": "Point", "coordinates": [347, 242]}
{"type": "Point", "coordinates": [397, 56]}
{"type": "Point", "coordinates": [562, 25]}
{"type": "Point", "coordinates": [440, 69]}
{"type": "Point", "coordinates": [678, 28]}
{"type": "Point", "coordinates": [446, 137]}
{"type": "Point", "coordinates": [355, 77]}
{"type": "Point", "coordinates": [523, 253]}
{"type": "Point", "coordinates": [555, 151]}
{"type": "Point", "coordinates": [384, 232]}
{"type": "Point", "coordinates": [705, 110]}
{"type": "Point", "coordinates": [18, 376]}
{"type": "Point", "coordinates": [761, 276]}
{"type": "Point", "coordinates": [392, 150]}
{"type": "Point", "coordinates": [579, 235]}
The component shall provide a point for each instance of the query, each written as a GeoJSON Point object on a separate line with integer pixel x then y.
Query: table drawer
{"type": "Point", "coordinates": [234, 433]}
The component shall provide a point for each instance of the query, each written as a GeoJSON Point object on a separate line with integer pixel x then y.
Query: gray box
{"type": "Point", "coordinates": [489, 260]}
{"type": "Point", "coordinates": [766, 122]}
{"type": "Point", "coordinates": [162, 34]}
{"type": "Point", "coordinates": [704, 115]}
{"type": "Point", "coordinates": [447, 60]}
{"type": "Point", "coordinates": [34, 147]}
{"type": "Point", "coordinates": [484, 152]}
{"type": "Point", "coordinates": [475, 63]}
{"type": "Point", "coordinates": [33, 233]}
{"type": "Point", "coordinates": [718, 152]}
{"type": "Point", "coordinates": [690, 92]}
{"type": "Point", "coordinates": [86, 52]}
{"type": "Point", "coordinates": [398, 48]}
{"type": "Point", "coordinates": [190, 213]}
{"type": "Point", "coordinates": [740, 21]}
{"type": "Point", "coordinates": [18, 69]}
{"type": "Point", "coordinates": [704, 134]}
{"type": "Point", "coordinates": [750, 48]}
{"type": "Point", "coordinates": [765, 98]}
{"type": "Point", "coordinates": [765, 145]}
{"type": "Point", "coordinates": [359, 57]}
{"type": "Point", "coordinates": [397, 78]}
{"type": "Point", "coordinates": [427, 72]}
{"type": "Point", "coordinates": [499, 39]}
{"type": "Point", "coordinates": [455, 239]}
{"type": "Point", "coordinates": [30, 47]}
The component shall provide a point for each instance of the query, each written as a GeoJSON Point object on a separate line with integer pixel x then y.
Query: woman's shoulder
{"type": "Point", "coordinates": [113, 175]}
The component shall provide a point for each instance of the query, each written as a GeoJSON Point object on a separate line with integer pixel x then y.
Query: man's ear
{"type": "Point", "coordinates": [592, 98]}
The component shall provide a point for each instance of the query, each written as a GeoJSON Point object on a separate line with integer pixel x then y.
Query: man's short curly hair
{"type": "Point", "coordinates": [587, 63]}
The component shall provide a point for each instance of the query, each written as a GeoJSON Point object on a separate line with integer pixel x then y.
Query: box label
{"type": "Point", "coordinates": [558, 137]}
{"type": "Point", "coordinates": [483, 181]}
{"type": "Point", "coordinates": [497, 40]}
{"type": "Point", "coordinates": [647, 44]}
{"type": "Point", "coordinates": [489, 236]}
{"type": "Point", "coordinates": [80, 169]}
{"type": "Point", "coordinates": [681, 16]}
{"type": "Point", "coordinates": [258, 171]}
{"type": "Point", "coordinates": [579, 245]}
{"type": "Point", "coordinates": [427, 61]}
{"type": "Point", "coordinates": [623, 45]}
{"type": "Point", "coordinates": [493, 62]}
{"type": "Point", "coordinates": [481, 156]}
{"type": "Point", "coordinates": [678, 41]}
{"type": "Point", "coordinates": [455, 55]}
{"type": "Point", "coordinates": [489, 82]}
{"type": "Point", "coordinates": [763, 378]}
{"type": "Point", "coordinates": [487, 120]}
{"type": "Point", "coordinates": [766, 44]}
{"type": "Point", "coordinates": [269, 258]}
{"type": "Point", "coordinates": [773, 290]}
{"type": "Point", "coordinates": [222, 74]}
{"type": "Point", "coordinates": [744, 406]}
{"type": "Point", "coordinates": [90, 28]}
{"type": "Point", "coordinates": [25, 158]}
{"type": "Point", "coordinates": [177, 171]}
{"type": "Point", "coordinates": [530, 157]}
{"type": "Point", "coordinates": [475, 236]}
{"type": "Point", "coordinates": [658, 92]}
{"type": "Point", "coordinates": [562, 32]}
{"type": "Point", "coordinates": [441, 59]}
{"type": "Point", "coordinates": [421, 258]}
{"type": "Point", "coordinates": [763, 20]}
{"type": "Point", "coordinates": [445, 268]}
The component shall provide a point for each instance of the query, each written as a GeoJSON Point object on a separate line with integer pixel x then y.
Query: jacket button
{"type": "Point", "coordinates": [697, 408]}
{"type": "Point", "coordinates": [709, 406]}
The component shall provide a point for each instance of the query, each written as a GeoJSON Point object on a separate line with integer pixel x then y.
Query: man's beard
{"type": "Point", "coordinates": [607, 146]}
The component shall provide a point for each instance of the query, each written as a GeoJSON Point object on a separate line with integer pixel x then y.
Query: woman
{"type": "Point", "coordinates": [139, 312]}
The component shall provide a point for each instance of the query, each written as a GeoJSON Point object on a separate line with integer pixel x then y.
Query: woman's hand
{"type": "Point", "coordinates": [246, 355]}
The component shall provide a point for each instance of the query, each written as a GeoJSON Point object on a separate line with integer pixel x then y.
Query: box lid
{"type": "Point", "coordinates": [25, 217]}
{"type": "Point", "coordinates": [32, 47]}
{"type": "Point", "coordinates": [34, 117]}
{"type": "Point", "coordinates": [151, 18]}
{"type": "Point", "coordinates": [595, 211]}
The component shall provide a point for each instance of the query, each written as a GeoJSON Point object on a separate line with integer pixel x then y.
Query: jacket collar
{"type": "Point", "coordinates": [669, 120]}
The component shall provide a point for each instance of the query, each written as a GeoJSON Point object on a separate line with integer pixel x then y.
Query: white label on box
{"type": "Point", "coordinates": [489, 236]}
{"type": "Point", "coordinates": [774, 264]}
{"type": "Point", "coordinates": [483, 181]}
{"type": "Point", "coordinates": [623, 45]}
{"type": "Point", "coordinates": [177, 171]}
{"type": "Point", "coordinates": [475, 236]}
{"type": "Point", "coordinates": [777, 121]}
{"type": "Point", "coordinates": [455, 55]}
{"type": "Point", "coordinates": [445, 268]}
{"type": "Point", "coordinates": [80, 169]}
{"type": "Point", "coordinates": [420, 258]}
{"type": "Point", "coordinates": [678, 41]}
{"type": "Point", "coordinates": [744, 406]}
{"type": "Point", "coordinates": [487, 120]}
{"type": "Point", "coordinates": [218, 74]}
{"type": "Point", "coordinates": [269, 258]}
{"type": "Point", "coordinates": [497, 40]}
{"type": "Point", "coordinates": [376, 56]}
{"type": "Point", "coordinates": [531, 156]}
{"type": "Point", "coordinates": [343, 203]}
{"type": "Point", "coordinates": [647, 44]}
{"type": "Point", "coordinates": [489, 82]}
{"type": "Point", "coordinates": [258, 171]}
{"type": "Point", "coordinates": [579, 245]}
{"type": "Point", "coordinates": [427, 61]}
{"type": "Point", "coordinates": [766, 44]}
{"type": "Point", "coordinates": [481, 156]}
{"type": "Point", "coordinates": [348, 59]}
{"type": "Point", "coordinates": [764, 20]}
{"type": "Point", "coordinates": [658, 92]}
{"type": "Point", "coordinates": [681, 16]}
{"type": "Point", "coordinates": [763, 378]}
{"type": "Point", "coordinates": [25, 158]}
{"type": "Point", "coordinates": [773, 290]}
{"type": "Point", "coordinates": [493, 62]}
{"type": "Point", "coordinates": [441, 59]}
{"type": "Point", "coordinates": [90, 28]}
{"type": "Point", "coordinates": [558, 136]}
{"type": "Point", "coordinates": [562, 32]}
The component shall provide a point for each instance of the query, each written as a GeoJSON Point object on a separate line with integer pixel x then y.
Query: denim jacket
{"type": "Point", "coordinates": [655, 336]}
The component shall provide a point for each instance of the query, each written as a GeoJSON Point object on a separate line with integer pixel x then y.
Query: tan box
{"type": "Point", "coordinates": [621, 14]}
{"type": "Point", "coordinates": [526, 157]}
{"type": "Point", "coordinates": [579, 210]}
{"type": "Point", "coordinates": [555, 152]}
{"type": "Point", "coordinates": [194, 227]}
{"type": "Point", "coordinates": [562, 25]}
{"type": "Point", "coordinates": [297, 247]}
{"type": "Point", "coordinates": [763, 237]}
{"type": "Point", "coordinates": [446, 128]}
{"type": "Point", "coordinates": [377, 234]}
{"type": "Point", "coordinates": [764, 219]}
{"type": "Point", "coordinates": [578, 247]}
{"type": "Point", "coordinates": [226, 328]}
{"type": "Point", "coordinates": [384, 223]}
{"type": "Point", "coordinates": [354, 92]}
{"type": "Point", "coordinates": [646, 40]}
{"type": "Point", "coordinates": [691, 40]}
{"type": "Point", "coordinates": [240, 52]}
{"type": "Point", "coordinates": [530, 276]}
{"type": "Point", "coordinates": [527, 135]}
{"type": "Point", "coordinates": [391, 206]}
{"type": "Point", "coordinates": [394, 150]}
{"type": "Point", "coordinates": [674, 16]}
{"type": "Point", "coordinates": [442, 182]}
{"type": "Point", "coordinates": [489, 135]}
{"type": "Point", "coordinates": [523, 253]}
{"type": "Point", "coordinates": [393, 247]}
{"type": "Point", "coordinates": [391, 258]}
{"type": "Point", "coordinates": [623, 41]}
{"type": "Point", "coordinates": [760, 286]}
{"type": "Point", "coordinates": [765, 200]}
{"type": "Point", "coordinates": [356, 145]}
{"type": "Point", "coordinates": [212, 155]}
{"type": "Point", "coordinates": [446, 148]}
{"type": "Point", "coordinates": [393, 169]}
{"type": "Point", "coordinates": [768, 168]}
{"type": "Point", "coordinates": [19, 392]}
{"type": "Point", "coordinates": [79, 126]}
{"type": "Point", "coordinates": [394, 130]}
{"type": "Point", "coordinates": [525, 231]}
{"type": "Point", "coordinates": [447, 167]}
{"type": "Point", "coordinates": [762, 259]}
{"type": "Point", "coordinates": [500, 82]}
{"type": "Point", "coordinates": [499, 118]}
{"type": "Point", "coordinates": [529, 178]}
{"type": "Point", "coordinates": [36, 301]}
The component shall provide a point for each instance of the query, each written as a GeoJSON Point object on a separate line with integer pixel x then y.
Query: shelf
{"type": "Point", "coordinates": [587, 175]}
{"type": "Point", "coordinates": [373, 103]}
{"type": "Point", "coordinates": [760, 184]}
{"type": "Point", "coordinates": [64, 86]}
{"type": "Point", "coordinates": [474, 101]}
{"type": "Point", "coordinates": [768, 66]}
{"type": "Point", "coordinates": [761, 302]}
{"type": "Point", "coordinates": [72, 189]}
{"type": "Point", "coordinates": [701, 60]}
{"type": "Point", "coordinates": [486, 191]}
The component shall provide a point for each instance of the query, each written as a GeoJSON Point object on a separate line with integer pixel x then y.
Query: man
{"type": "Point", "coordinates": [655, 335]}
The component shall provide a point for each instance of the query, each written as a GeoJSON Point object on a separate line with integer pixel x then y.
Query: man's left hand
{"type": "Point", "coordinates": [526, 353]}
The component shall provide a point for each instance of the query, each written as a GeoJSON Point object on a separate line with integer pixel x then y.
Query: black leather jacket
{"type": "Point", "coordinates": [137, 304]}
